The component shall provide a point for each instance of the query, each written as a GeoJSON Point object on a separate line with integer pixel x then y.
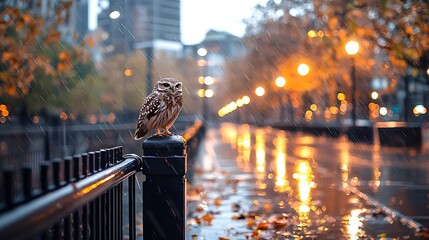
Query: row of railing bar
{"type": "Point", "coordinates": [87, 219]}
{"type": "Point", "coordinates": [82, 197]}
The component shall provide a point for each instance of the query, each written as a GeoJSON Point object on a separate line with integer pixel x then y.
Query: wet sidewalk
{"type": "Point", "coordinates": [264, 183]}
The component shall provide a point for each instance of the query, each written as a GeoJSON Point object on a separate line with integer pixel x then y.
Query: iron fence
{"type": "Point", "coordinates": [93, 195]}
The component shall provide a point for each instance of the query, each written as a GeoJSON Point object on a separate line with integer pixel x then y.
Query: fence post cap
{"type": "Point", "coordinates": [164, 146]}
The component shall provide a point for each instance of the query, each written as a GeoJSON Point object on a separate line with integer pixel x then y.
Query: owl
{"type": "Point", "coordinates": [161, 108]}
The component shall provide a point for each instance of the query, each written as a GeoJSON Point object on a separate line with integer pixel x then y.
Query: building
{"type": "Point", "coordinates": [74, 16]}
{"type": "Point", "coordinates": [141, 24]}
{"type": "Point", "coordinates": [218, 48]}
{"type": "Point", "coordinates": [81, 18]}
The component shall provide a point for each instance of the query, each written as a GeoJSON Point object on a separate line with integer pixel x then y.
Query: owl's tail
{"type": "Point", "coordinates": [140, 132]}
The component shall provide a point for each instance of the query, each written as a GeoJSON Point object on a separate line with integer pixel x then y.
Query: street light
{"type": "Point", "coordinates": [280, 82]}
{"type": "Point", "coordinates": [246, 100]}
{"type": "Point", "coordinates": [352, 48]}
{"type": "Point", "coordinates": [202, 52]}
{"type": "Point", "coordinates": [115, 14]}
{"type": "Point", "coordinates": [374, 95]}
{"type": "Point", "coordinates": [209, 80]}
{"type": "Point", "coordinates": [259, 91]}
{"type": "Point", "coordinates": [208, 93]}
{"type": "Point", "coordinates": [205, 81]}
{"type": "Point", "coordinates": [303, 69]}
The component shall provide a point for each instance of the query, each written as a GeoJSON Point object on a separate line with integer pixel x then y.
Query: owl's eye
{"type": "Point", "coordinates": [166, 85]}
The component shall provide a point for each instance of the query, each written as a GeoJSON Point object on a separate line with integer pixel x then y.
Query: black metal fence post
{"type": "Point", "coordinates": [164, 204]}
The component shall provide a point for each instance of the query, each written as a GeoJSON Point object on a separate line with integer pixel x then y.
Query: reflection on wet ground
{"type": "Point", "coordinates": [268, 184]}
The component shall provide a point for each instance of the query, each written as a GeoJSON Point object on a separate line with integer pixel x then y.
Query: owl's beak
{"type": "Point", "coordinates": [175, 89]}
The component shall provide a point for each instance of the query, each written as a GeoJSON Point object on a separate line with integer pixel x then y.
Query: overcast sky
{"type": "Point", "coordinates": [199, 16]}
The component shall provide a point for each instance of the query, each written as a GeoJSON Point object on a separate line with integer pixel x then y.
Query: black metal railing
{"type": "Point", "coordinates": [93, 195]}
{"type": "Point", "coordinates": [29, 147]}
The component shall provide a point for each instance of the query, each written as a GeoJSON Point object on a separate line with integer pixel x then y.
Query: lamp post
{"type": "Point", "coordinates": [281, 82]}
{"type": "Point", "coordinates": [259, 91]}
{"type": "Point", "coordinates": [352, 48]}
{"type": "Point", "coordinates": [203, 92]}
{"type": "Point", "coordinates": [303, 70]}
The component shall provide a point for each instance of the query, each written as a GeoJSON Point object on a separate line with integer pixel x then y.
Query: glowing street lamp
{"type": "Point", "coordinates": [208, 80]}
{"type": "Point", "coordinates": [208, 93]}
{"type": "Point", "coordinates": [280, 82]}
{"type": "Point", "coordinates": [259, 91]}
{"type": "Point", "coordinates": [352, 48]}
{"type": "Point", "coordinates": [374, 95]}
{"type": "Point", "coordinates": [303, 69]}
{"type": "Point", "coordinates": [115, 14]}
{"type": "Point", "coordinates": [246, 99]}
{"type": "Point", "coordinates": [204, 93]}
{"type": "Point", "coordinates": [128, 72]}
{"type": "Point", "coordinates": [202, 52]}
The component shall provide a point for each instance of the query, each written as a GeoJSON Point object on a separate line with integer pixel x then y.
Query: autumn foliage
{"type": "Point", "coordinates": [393, 38]}
{"type": "Point", "coordinates": [25, 32]}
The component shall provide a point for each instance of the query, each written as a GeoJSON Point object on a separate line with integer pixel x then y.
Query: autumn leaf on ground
{"type": "Point", "coordinates": [207, 218]}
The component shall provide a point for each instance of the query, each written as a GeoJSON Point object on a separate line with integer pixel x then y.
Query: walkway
{"type": "Point", "coordinates": [262, 183]}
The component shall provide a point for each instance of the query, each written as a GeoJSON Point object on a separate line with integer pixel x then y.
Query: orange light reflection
{"type": "Point", "coordinates": [281, 183]}
{"type": "Point", "coordinates": [229, 134]}
{"type": "Point", "coordinates": [260, 160]}
{"type": "Point", "coordinates": [376, 158]}
{"type": "Point", "coordinates": [304, 177]}
{"type": "Point", "coordinates": [344, 162]}
{"type": "Point", "coordinates": [244, 147]}
{"type": "Point", "coordinates": [354, 224]}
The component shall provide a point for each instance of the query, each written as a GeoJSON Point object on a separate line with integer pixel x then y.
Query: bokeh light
{"type": "Point", "coordinates": [280, 82]}
{"type": "Point", "coordinates": [352, 47]}
{"type": "Point", "coordinates": [303, 69]}
{"type": "Point", "coordinates": [260, 91]}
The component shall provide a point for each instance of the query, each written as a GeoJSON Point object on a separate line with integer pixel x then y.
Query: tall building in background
{"type": "Point", "coordinates": [159, 24]}
{"type": "Point", "coordinates": [75, 20]}
{"type": "Point", "coordinates": [219, 48]}
{"type": "Point", "coordinates": [141, 24]}
{"type": "Point", "coordinates": [81, 17]}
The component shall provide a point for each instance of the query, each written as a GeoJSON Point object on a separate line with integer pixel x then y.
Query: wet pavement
{"type": "Point", "coordinates": [263, 183]}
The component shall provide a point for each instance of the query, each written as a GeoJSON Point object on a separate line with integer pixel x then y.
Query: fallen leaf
{"type": "Point", "coordinates": [251, 223]}
{"type": "Point", "coordinates": [264, 225]}
{"type": "Point", "coordinates": [207, 218]}
{"type": "Point", "coordinates": [238, 217]}
{"type": "Point", "coordinates": [218, 201]}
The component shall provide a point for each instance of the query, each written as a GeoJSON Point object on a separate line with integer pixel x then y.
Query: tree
{"type": "Point", "coordinates": [124, 79]}
{"type": "Point", "coordinates": [23, 32]}
{"type": "Point", "coordinates": [37, 70]}
{"type": "Point", "coordinates": [54, 93]}
{"type": "Point", "coordinates": [395, 31]}
{"type": "Point", "coordinates": [278, 40]}
{"type": "Point", "coordinates": [397, 27]}
{"type": "Point", "coordinates": [393, 36]}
